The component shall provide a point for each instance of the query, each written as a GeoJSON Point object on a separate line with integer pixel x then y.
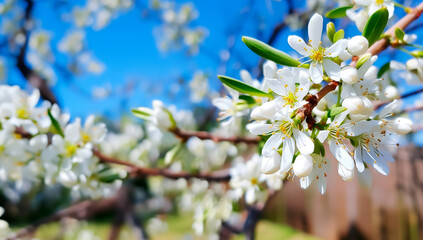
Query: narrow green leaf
{"type": "Point", "coordinates": [248, 99]}
{"type": "Point", "coordinates": [330, 31]}
{"type": "Point", "coordinates": [338, 12]}
{"type": "Point", "coordinates": [55, 123]}
{"type": "Point", "coordinates": [399, 34]}
{"type": "Point", "coordinates": [108, 175]}
{"type": "Point", "coordinates": [143, 113]}
{"type": "Point", "coordinates": [242, 87]}
{"type": "Point", "coordinates": [383, 69]}
{"type": "Point", "coordinates": [376, 25]}
{"type": "Point", "coordinates": [417, 53]}
{"type": "Point", "coordinates": [270, 53]}
{"type": "Point", "coordinates": [338, 35]}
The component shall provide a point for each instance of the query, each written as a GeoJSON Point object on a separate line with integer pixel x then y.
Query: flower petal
{"type": "Point", "coordinates": [315, 28]}
{"type": "Point", "coordinates": [337, 48]}
{"type": "Point", "coordinates": [272, 144]}
{"type": "Point", "coordinates": [287, 153]}
{"type": "Point", "coordinates": [304, 143]}
{"type": "Point", "coordinates": [322, 135]}
{"type": "Point", "coordinates": [316, 72]}
{"type": "Point", "coordinates": [257, 128]}
{"type": "Point", "coordinates": [299, 45]}
{"type": "Point", "coordinates": [341, 155]}
{"type": "Point", "coordinates": [332, 69]}
{"type": "Point", "coordinates": [358, 155]}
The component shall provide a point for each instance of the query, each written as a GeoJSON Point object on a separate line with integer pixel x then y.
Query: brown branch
{"type": "Point", "coordinates": [29, 74]}
{"type": "Point", "coordinates": [185, 135]}
{"type": "Point", "coordinates": [383, 43]}
{"type": "Point", "coordinates": [81, 210]}
{"type": "Point", "coordinates": [217, 176]}
{"type": "Point", "coordinates": [305, 111]}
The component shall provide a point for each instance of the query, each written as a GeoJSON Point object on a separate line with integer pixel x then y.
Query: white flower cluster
{"type": "Point", "coordinates": [363, 9]}
{"type": "Point", "coordinates": [357, 136]}
{"type": "Point", "coordinates": [98, 13]}
{"type": "Point", "coordinates": [31, 154]}
{"type": "Point", "coordinates": [176, 31]}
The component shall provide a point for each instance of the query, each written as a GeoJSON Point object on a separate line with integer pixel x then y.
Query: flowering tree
{"type": "Point", "coordinates": [329, 93]}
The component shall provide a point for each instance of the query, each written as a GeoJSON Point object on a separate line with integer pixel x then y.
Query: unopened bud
{"type": "Point", "coordinates": [271, 164]}
{"type": "Point", "coordinates": [358, 45]}
{"type": "Point", "coordinates": [161, 117]}
{"type": "Point", "coordinates": [359, 107]}
{"type": "Point", "coordinates": [303, 165]}
{"type": "Point", "coordinates": [349, 75]}
{"type": "Point", "coordinates": [265, 111]}
{"type": "Point", "coordinates": [402, 125]}
{"type": "Point", "coordinates": [391, 92]}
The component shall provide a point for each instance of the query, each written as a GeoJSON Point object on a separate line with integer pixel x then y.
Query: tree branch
{"type": "Point", "coordinates": [81, 210]}
{"type": "Point", "coordinates": [185, 135]}
{"type": "Point", "coordinates": [305, 111]}
{"type": "Point", "coordinates": [383, 43]}
{"type": "Point", "coordinates": [217, 176]}
{"type": "Point", "coordinates": [29, 74]}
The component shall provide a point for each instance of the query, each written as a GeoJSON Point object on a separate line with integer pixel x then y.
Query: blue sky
{"type": "Point", "coordinates": [128, 49]}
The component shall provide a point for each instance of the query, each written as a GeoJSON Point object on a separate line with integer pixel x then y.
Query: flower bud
{"type": "Point", "coordinates": [161, 117]}
{"type": "Point", "coordinates": [401, 125]}
{"type": "Point", "coordinates": [359, 107]}
{"type": "Point", "coordinates": [349, 75]}
{"type": "Point", "coordinates": [347, 175]}
{"type": "Point", "coordinates": [265, 111]}
{"type": "Point", "coordinates": [391, 92]}
{"type": "Point", "coordinates": [271, 164]}
{"type": "Point", "coordinates": [414, 64]}
{"type": "Point", "coordinates": [358, 45]}
{"type": "Point", "coordinates": [303, 165]}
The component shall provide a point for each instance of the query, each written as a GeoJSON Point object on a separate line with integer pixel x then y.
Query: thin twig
{"type": "Point", "coordinates": [217, 176]}
{"type": "Point", "coordinates": [185, 135]}
{"type": "Point", "coordinates": [81, 210]}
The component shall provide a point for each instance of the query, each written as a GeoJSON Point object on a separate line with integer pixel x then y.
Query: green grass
{"type": "Point", "coordinates": [179, 227]}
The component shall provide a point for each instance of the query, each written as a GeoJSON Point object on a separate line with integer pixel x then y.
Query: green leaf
{"type": "Point", "coordinates": [335, 111]}
{"type": "Point", "coordinates": [338, 35]}
{"type": "Point", "coordinates": [383, 69]}
{"type": "Point", "coordinates": [338, 12]}
{"type": "Point", "coordinates": [399, 34]}
{"type": "Point", "coordinates": [248, 99]}
{"type": "Point", "coordinates": [270, 53]}
{"type": "Point", "coordinates": [330, 31]}
{"type": "Point", "coordinates": [417, 53]}
{"type": "Point", "coordinates": [141, 112]}
{"type": "Point", "coordinates": [55, 123]}
{"type": "Point", "coordinates": [242, 87]}
{"type": "Point", "coordinates": [376, 25]}
{"type": "Point", "coordinates": [109, 175]}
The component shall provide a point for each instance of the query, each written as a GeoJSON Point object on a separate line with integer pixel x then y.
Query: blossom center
{"type": "Point", "coordinates": [317, 55]}
{"type": "Point", "coordinates": [286, 128]}
{"type": "Point", "coordinates": [71, 150]}
{"type": "Point", "coordinates": [254, 181]}
{"type": "Point", "coordinates": [379, 2]}
{"type": "Point", "coordinates": [22, 113]}
{"type": "Point", "coordinates": [290, 99]}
